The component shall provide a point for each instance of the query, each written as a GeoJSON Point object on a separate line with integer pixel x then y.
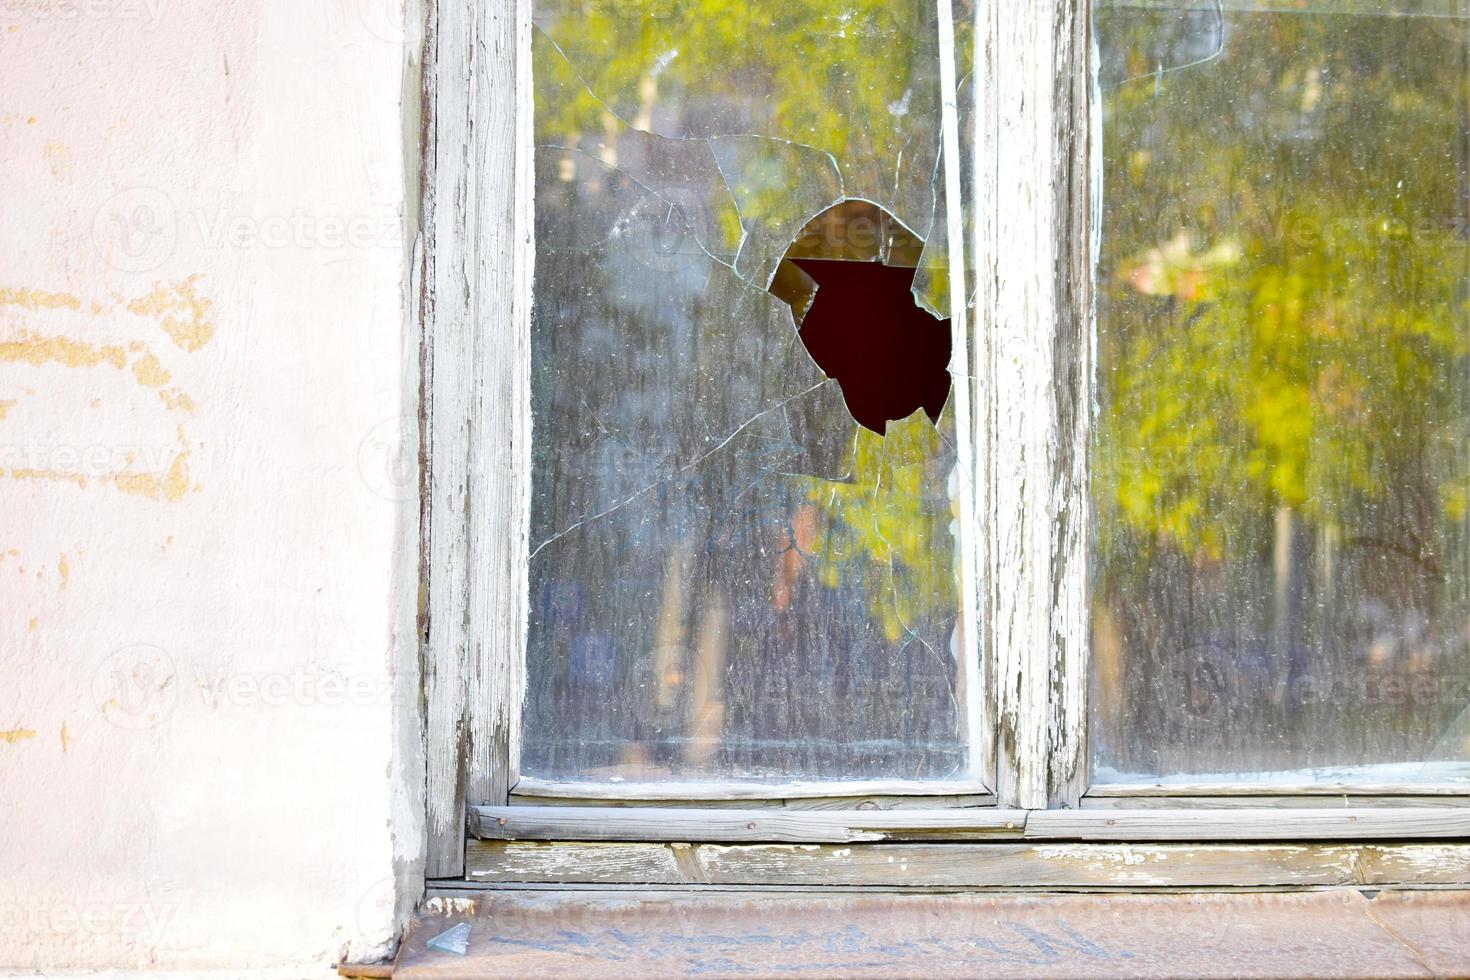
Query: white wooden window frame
{"type": "Point", "coordinates": [1036, 822]}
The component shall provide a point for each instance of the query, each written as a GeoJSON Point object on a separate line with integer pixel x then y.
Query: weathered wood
{"type": "Point", "coordinates": [1318, 802]}
{"type": "Point", "coordinates": [1078, 157]}
{"type": "Point", "coordinates": [1261, 823]}
{"type": "Point", "coordinates": [638, 864]}
{"type": "Point", "coordinates": [1278, 789]}
{"type": "Point", "coordinates": [871, 802]}
{"type": "Point", "coordinates": [1033, 235]}
{"type": "Point", "coordinates": [1420, 864]}
{"type": "Point", "coordinates": [632, 824]}
{"type": "Point", "coordinates": [730, 792]}
{"type": "Point", "coordinates": [966, 866]}
{"type": "Point", "coordinates": [751, 825]}
{"type": "Point", "coordinates": [476, 219]}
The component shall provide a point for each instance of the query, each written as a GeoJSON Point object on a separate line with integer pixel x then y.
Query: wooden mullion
{"type": "Point", "coordinates": [1034, 334]}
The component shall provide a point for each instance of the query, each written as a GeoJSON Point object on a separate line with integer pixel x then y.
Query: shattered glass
{"type": "Point", "coordinates": [733, 580]}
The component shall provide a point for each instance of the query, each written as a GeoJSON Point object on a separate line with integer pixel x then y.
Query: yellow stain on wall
{"type": "Point", "coordinates": [34, 624]}
{"type": "Point", "coordinates": [39, 299]}
{"type": "Point", "coordinates": [17, 734]}
{"type": "Point", "coordinates": [37, 349]}
{"type": "Point", "coordinates": [58, 157]}
{"type": "Point", "coordinates": [6, 404]}
{"type": "Point", "coordinates": [150, 373]}
{"type": "Point", "coordinates": [170, 486]}
{"type": "Point", "coordinates": [51, 476]}
{"type": "Point", "coordinates": [65, 738]}
{"type": "Point", "coordinates": [180, 311]}
{"type": "Point", "coordinates": [64, 568]}
{"type": "Point", "coordinates": [176, 400]}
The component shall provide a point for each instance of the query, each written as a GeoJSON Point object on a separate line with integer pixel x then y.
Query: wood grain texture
{"type": "Point", "coordinates": [638, 864]}
{"type": "Point", "coordinates": [1033, 333]}
{"type": "Point", "coordinates": [829, 826]}
{"type": "Point", "coordinates": [979, 866]}
{"type": "Point", "coordinates": [1315, 802]}
{"type": "Point", "coordinates": [476, 328]}
{"type": "Point", "coordinates": [857, 802]}
{"type": "Point", "coordinates": [732, 792]}
{"type": "Point", "coordinates": [1260, 823]}
{"type": "Point", "coordinates": [1277, 789]}
{"type": "Point", "coordinates": [810, 826]}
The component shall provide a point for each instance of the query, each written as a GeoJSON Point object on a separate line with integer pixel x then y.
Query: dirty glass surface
{"type": "Point", "coordinates": [731, 579]}
{"type": "Point", "coordinates": [1281, 482]}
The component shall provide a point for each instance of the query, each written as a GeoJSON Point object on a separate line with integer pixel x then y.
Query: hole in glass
{"type": "Point", "coordinates": [849, 280]}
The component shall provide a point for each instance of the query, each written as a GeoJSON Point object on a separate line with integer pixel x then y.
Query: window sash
{"type": "Point", "coordinates": [1031, 358]}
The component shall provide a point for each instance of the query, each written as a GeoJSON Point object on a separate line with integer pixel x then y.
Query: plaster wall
{"type": "Point", "coordinates": [207, 482]}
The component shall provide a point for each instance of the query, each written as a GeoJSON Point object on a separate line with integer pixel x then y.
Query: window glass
{"type": "Point", "coordinates": [1281, 473]}
{"type": "Point", "coordinates": [745, 535]}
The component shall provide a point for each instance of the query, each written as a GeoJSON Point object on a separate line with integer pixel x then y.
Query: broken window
{"type": "Point", "coordinates": [1281, 485]}
{"type": "Point", "coordinates": [750, 512]}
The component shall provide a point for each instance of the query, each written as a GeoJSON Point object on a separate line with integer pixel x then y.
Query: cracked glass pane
{"type": "Point", "coordinates": [1281, 485]}
{"type": "Point", "coordinates": [732, 579]}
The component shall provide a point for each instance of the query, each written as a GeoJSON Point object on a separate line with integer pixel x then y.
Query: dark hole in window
{"type": "Point", "coordinates": [861, 325]}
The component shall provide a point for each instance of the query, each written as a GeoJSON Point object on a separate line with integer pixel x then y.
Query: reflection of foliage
{"type": "Point", "coordinates": [823, 69]}
{"type": "Point", "coordinates": [1311, 354]}
{"type": "Point", "coordinates": [857, 79]}
{"type": "Point", "coordinates": [893, 514]}
{"type": "Point", "coordinates": [854, 79]}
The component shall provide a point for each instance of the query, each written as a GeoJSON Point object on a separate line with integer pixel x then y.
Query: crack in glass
{"type": "Point", "coordinates": [731, 579]}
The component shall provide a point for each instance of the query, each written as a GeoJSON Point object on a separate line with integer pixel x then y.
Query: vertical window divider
{"type": "Point", "coordinates": [1033, 346]}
